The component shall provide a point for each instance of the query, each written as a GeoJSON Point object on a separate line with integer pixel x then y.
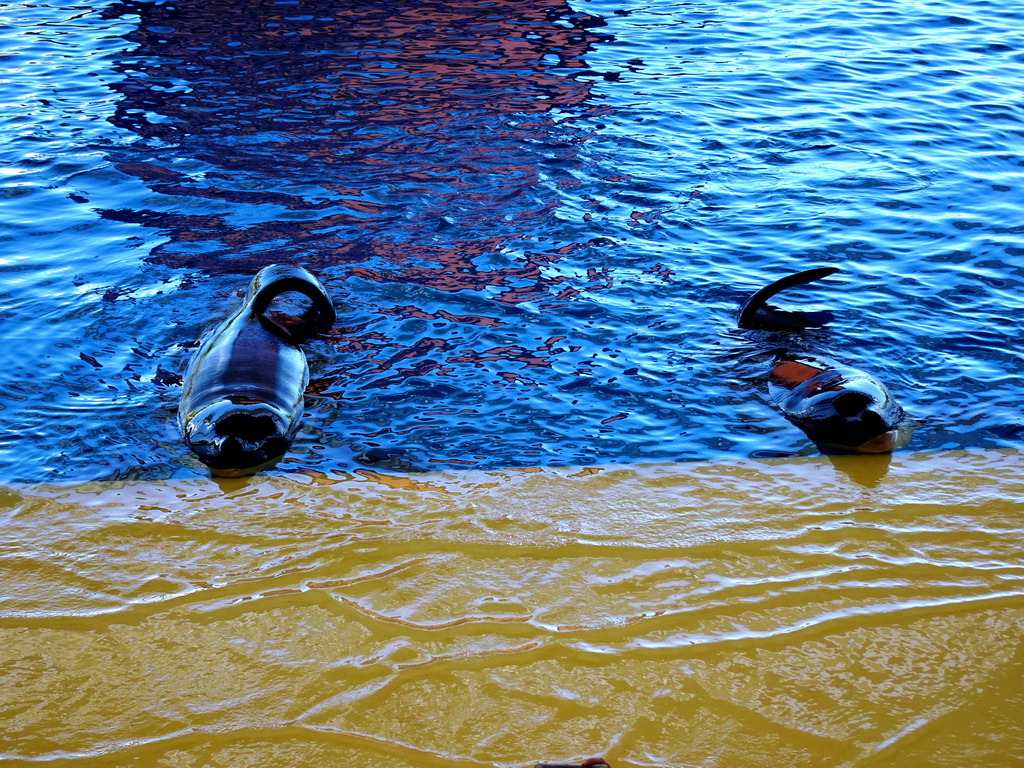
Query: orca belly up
{"type": "Point", "coordinates": [838, 407]}
{"type": "Point", "coordinates": [242, 395]}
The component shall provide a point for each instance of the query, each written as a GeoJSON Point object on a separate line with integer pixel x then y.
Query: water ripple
{"type": "Point", "coordinates": [537, 226]}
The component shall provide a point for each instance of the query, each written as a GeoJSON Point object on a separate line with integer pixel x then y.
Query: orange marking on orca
{"type": "Point", "coordinates": [790, 373]}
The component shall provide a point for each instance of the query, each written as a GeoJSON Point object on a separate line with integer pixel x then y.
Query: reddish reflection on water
{"type": "Point", "coordinates": [406, 138]}
{"type": "Point", "coordinates": [404, 151]}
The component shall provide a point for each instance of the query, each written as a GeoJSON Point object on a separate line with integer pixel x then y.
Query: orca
{"type": "Point", "coordinates": [840, 408]}
{"type": "Point", "coordinates": [242, 395]}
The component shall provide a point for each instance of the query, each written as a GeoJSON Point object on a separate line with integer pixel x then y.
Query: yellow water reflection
{"type": "Point", "coordinates": [816, 612]}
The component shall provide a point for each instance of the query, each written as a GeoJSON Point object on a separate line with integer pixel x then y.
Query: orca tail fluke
{"type": "Point", "coordinates": [757, 314]}
{"type": "Point", "coordinates": [277, 279]}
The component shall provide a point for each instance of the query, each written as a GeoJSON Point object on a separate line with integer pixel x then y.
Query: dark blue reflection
{"type": "Point", "coordinates": [537, 220]}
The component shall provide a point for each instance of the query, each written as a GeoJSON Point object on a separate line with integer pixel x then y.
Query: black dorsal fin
{"type": "Point", "coordinates": [756, 314]}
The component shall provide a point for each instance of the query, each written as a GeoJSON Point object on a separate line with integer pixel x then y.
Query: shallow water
{"type": "Point", "coordinates": [537, 220]}
{"type": "Point", "coordinates": [541, 506]}
{"type": "Point", "coordinates": [801, 612]}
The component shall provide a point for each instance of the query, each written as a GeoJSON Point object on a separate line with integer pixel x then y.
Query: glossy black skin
{"type": "Point", "coordinates": [243, 390]}
{"type": "Point", "coordinates": [838, 407]}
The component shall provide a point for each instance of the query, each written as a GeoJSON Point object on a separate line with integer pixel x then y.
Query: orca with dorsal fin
{"type": "Point", "coordinates": [243, 389]}
{"type": "Point", "coordinates": [838, 407]}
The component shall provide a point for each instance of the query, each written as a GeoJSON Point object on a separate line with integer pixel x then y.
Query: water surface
{"type": "Point", "coordinates": [801, 612]}
{"type": "Point", "coordinates": [537, 220]}
{"type": "Point", "coordinates": [541, 507]}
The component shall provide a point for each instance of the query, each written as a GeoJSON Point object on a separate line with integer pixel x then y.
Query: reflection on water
{"type": "Point", "coordinates": [868, 472]}
{"type": "Point", "coordinates": [707, 613]}
{"type": "Point", "coordinates": [537, 219]}
{"type": "Point", "coordinates": [352, 135]}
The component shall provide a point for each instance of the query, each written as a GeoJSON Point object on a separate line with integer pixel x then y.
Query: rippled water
{"type": "Point", "coordinates": [782, 613]}
{"type": "Point", "coordinates": [537, 220]}
{"type": "Point", "coordinates": [541, 506]}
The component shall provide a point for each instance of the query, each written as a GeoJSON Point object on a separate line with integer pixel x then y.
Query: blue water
{"type": "Point", "coordinates": [537, 220]}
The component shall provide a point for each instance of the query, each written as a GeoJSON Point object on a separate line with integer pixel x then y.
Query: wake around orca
{"type": "Point", "coordinates": [838, 407]}
{"type": "Point", "coordinates": [243, 390]}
